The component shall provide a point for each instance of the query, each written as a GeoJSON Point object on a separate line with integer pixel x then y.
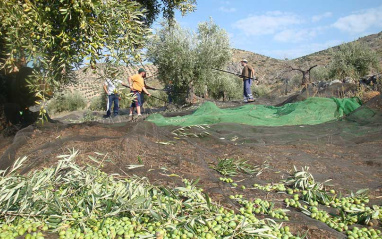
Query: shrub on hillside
{"type": "Point", "coordinates": [295, 81]}
{"type": "Point", "coordinates": [67, 101]}
{"type": "Point", "coordinates": [319, 73]}
{"type": "Point", "coordinates": [352, 60]}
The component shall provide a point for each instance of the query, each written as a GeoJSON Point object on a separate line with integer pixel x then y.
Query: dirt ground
{"type": "Point", "coordinates": [349, 152]}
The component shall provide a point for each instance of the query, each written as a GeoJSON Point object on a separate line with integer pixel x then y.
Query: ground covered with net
{"type": "Point", "coordinates": [340, 140]}
{"type": "Point", "coordinates": [308, 112]}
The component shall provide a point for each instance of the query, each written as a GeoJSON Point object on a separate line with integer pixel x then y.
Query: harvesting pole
{"type": "Point", "coordinates": [235, 74]}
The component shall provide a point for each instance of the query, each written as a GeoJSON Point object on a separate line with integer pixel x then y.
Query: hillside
{"type": "Point", "coordinates": [268, 70]}
{"type": "Point", "coordinates": [90, 82]}
{"type": "Point", "coordinates": [374, 41]}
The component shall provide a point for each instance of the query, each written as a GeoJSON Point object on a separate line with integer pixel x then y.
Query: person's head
{"type": "Point", "coordinates": [244, 62]}
{"type": "Point", "coordinates": [142, 72]}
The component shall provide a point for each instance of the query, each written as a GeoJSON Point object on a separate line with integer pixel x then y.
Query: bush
{"type": "Point", "coordinates": [353, 60]}
{"type": "Point", "coordinates": [224, 83]}
{"type": "Point", "coordinates": [67, 101]}
{"type": "Point", "coordinates": [98, 103]}
{"type": "Point", "coordinates": [319, 73]}
{"type": "Point", "coordinates": [295, 81]}
{"type": "Point", "coordinates": [262, 90]}
{"type": "Point", "coordinates": [151, 102]}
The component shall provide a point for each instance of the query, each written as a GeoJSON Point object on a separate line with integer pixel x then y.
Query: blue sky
{"type": "Point", "coordinates": [286, 28]}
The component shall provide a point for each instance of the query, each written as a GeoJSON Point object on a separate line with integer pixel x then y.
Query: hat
{"type": "Point", "coordinates": [141, 70]}
{"type": "Point", "coordinates": [244, 60]}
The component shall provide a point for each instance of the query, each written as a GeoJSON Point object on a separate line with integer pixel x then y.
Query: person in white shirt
{"type": "Point", "coordinates": [111, 89]}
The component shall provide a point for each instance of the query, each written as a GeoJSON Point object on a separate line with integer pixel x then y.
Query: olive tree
{"type": "Point", "coordinates": [354, 59]}
{"type": "Point", "coordinates": [187, 59]}
{"type": "Point", "coordinates": [213, 52]}
{"type": "Point", "coordinates": [172, 51]}
{"type": "Point", "coordinates": [167, 7]}
{"type": "Point", "coordinates": [56, 36]}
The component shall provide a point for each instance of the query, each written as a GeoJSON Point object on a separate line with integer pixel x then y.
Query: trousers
{"type": "Point", "coordinates": [247, 93]}
{"type": "Point", "coordinates": [113, 98]}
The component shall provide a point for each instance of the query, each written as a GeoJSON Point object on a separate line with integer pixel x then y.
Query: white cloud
{"type": "Point", "coordinates": [227, 9]}
{"type": "Point", "coordinates": [301, 50]}
{"type": "Point", "coordinates": [266, 24]}
{"type": "Point", "coordinates": [360, 22]}
{"type": "Point", "coordinates": [318, 18]}
{"type": "Point", "coordinates": [293, 35]}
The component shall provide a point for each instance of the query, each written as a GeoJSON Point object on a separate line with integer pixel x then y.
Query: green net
{"type": "Point", "coordinates": [309, 112]}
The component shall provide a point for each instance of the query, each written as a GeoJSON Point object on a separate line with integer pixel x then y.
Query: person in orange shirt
{"type": "Point", "coordinates": [137, 86]}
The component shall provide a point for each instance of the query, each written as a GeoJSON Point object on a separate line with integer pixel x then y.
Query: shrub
{"type": "Point", "coordinates": [230, 85]}
{"type": "Point", "coordinates": [262, 90]}
{"type": "Point", "coordinates": [154, 102]}
{"type": "Point", "coordinates": [319, 73]}
{"type": "Point", "coordinates": [354, 60]}
{"type": "Point", "coordinates": [98, 103]}
{"type": "Point", "coordinates": [67, 101]}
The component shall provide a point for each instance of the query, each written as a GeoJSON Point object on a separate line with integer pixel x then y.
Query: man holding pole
{"type": "Point", "coordinates": [111, 89]}
{"type": "Point", "coordinates": [137, 85]}
{"type": "Point", "coordinates": [247, 74]}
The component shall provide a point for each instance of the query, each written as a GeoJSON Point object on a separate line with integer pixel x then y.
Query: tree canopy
{"type": "Point", "coordinates": [167, 7]}
{"type": "Point", "coordinates": [187, 59]}
{"type": "Point", "coordinates": [354, 59]}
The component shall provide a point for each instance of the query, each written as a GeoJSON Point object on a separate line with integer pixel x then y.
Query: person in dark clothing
{"type": "Point", "coordinates": [247, 75]}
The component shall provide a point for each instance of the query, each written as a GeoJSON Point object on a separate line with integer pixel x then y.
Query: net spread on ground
{"type": "Point", "coordinates": [309, 112]}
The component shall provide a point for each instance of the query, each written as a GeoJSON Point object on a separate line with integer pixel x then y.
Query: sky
{"type": "Point", "coordinates": [285, 28]}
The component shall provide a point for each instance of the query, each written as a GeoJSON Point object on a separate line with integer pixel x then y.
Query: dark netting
{"type": "Point", "coordinates": [347, 150]}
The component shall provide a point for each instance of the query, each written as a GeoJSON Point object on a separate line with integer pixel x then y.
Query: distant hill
{"type": "Point", "coordinates": [90, 82]}
{"type": "Point", "coordinates": [374, 41]}
{"type": "Point", "coordinates": [268, 70]}
{"type": "Point", "coordinates": [271, 69]}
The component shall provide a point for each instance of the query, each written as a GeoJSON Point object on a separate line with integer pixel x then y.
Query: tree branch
{"type": "Point", "coordinates": [312, 67]}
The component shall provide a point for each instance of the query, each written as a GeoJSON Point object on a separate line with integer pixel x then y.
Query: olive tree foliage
{"type": "Point", "coordinates": [186, 59]}
{"type": "Point", "coordinates": [167, 7]}
{"type": "Point", "coordinates": [354, 60]}
{"type": "Point", "coordinates": [213, 52]}
{"type": "Point", "coordinates": [59, 35]}
{"type": "Point", "coordinates": [172, 51]}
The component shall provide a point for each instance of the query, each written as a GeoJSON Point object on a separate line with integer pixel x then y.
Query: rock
{"type": "Point", "coordinates": [349, 80]}
{"type": "Point", "coordinates": [336, 81]}
{"type": "Point", "coordinates": [322, 85]}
